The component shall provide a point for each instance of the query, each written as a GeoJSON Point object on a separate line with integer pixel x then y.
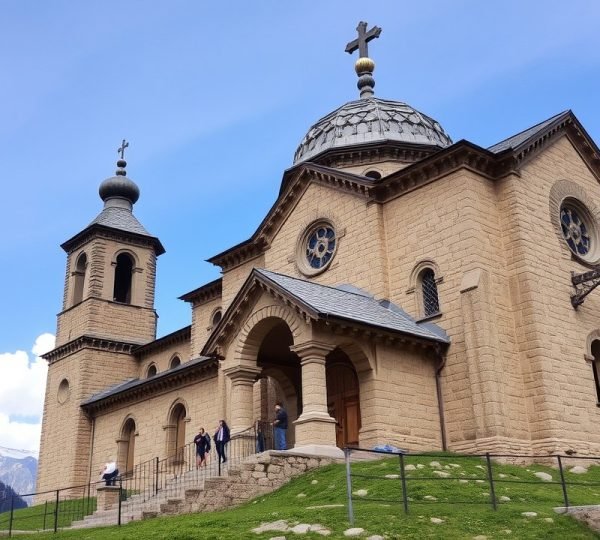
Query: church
{"type": "Point", "coordinates": [403, 289]}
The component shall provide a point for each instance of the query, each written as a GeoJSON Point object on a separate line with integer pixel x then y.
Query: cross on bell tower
{"type": "Point", "coordinates": [364, 65]}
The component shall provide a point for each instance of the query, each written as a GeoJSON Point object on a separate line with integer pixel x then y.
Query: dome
{"type": "Point", "coordinates": [371, 120]}
{"type": "Point", "coordinates": [119, 186]}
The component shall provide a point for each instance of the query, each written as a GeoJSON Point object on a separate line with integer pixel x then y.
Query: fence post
{"type": "Point", "coordinates": [56, 510]}
{"type": "Point", "coordinates": [120, 502]}
{"type": "Point", "coordinates": [403, 479]}
{"type": "Point", "coordinates": [563, 483]}
{"type": "Point", "coordinates": [349, 486]}
{"type": "Point", "coordinates": [45, 510]}
{"type": "Point", "coordinates": [12, 510]}
{"type": "Point", "coordinates": [491, 478]}
{"type": "Point", "coordinates": [155, 475]}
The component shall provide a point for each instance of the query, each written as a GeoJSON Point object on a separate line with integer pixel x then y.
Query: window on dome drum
{"type": "Point", "coordinates": [152, 371]}
{"type": "Point", "coordinates": [123, 278]}
{"type": "Point", "coordinates": [431, 303]}
{"type": "Point", "coordinates": [175, 362]}
{"type": "Point", "coordinates": [216, 319]}
{"type": "Point", "coordinates": [596, 368]}
{"type": "Point", "coordinates": [79, 278]}
{"type": "Point", "coordinates": [375, 175]}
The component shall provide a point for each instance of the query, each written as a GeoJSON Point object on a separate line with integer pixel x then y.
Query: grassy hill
{"type": "Point", "coordinates": [458, 494]}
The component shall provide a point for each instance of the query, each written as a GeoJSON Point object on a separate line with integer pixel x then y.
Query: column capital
{"type": "Point", "coordinates": [312, 350]}
{"type": "Point", "coordinates": [242, 374]}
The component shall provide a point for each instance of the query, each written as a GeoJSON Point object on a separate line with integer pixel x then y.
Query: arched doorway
{"type": "Point", "coordinates": [176, 433]}
{"type": "Point", "coordinates": [280, 379]}
{"type": "Point", "coordinates": [343, 400]}
{"type": "Point", "coordinates": [126, 447]}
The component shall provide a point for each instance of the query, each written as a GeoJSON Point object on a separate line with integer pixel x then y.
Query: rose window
{"type": "Point", "coordinates": [575, 231]}
{"type": "Point", "coordinates": [320, 246]}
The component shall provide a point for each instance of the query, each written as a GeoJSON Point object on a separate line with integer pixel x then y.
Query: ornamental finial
{"type": "Point", "coordinates": [364, 65]}
{"type": "Point", "coordinates": [121, 163]}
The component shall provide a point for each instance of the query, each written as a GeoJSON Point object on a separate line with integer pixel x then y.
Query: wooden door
{"type": "Point", "coordinates": [343, 402]}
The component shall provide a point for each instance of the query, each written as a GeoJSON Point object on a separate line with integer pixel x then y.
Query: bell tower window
{"type": "Point", "coordinates": [79, 278]}
{"type": "Point", "coordinates": [123, 279]}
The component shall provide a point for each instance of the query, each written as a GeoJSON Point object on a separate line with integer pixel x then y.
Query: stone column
{"type": "Point", "coordinates": [107, 497]}
{"type": "Point", "coordinates": [241, 398]}
{"type": "Point", "coordinates": [315, 429]}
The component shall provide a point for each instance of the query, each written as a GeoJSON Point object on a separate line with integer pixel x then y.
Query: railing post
{"type": "Point", "coordinates": [12, 510]}
{"type": "Point", "coordinates": [56, 510]}
{"type": "Point", "coordinates": [491, 478]}
{"type": "Point", "coordinates": [120, 503]}
{"type": "Point", "coordinates": [45, 510]}
{"type": "Point", "coordinates": [403, 479]}
{"type": "Point", "coordinates": [155, 475]}
{"type": "Point", "coordinates": [562, 482]}
{"type": "Point", "coordinates": [349, 486]}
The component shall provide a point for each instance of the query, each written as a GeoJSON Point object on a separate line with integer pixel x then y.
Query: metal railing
{"type": "Point", "coordinates": [405, 477]}
{"type": "Point", "coordinates": [168, 476]}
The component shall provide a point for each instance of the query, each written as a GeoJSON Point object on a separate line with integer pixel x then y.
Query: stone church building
{"type": "Point", "coordinates": [403, 289]}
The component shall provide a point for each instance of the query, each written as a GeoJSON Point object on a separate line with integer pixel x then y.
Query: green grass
{"type": "Point", "coordinates": [381, 511]}
{"type": "Point", "coordinates": [42, 516]}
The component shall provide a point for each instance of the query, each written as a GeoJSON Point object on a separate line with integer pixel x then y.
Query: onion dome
{"type": "Point", "coordinates": [371, 120]}
{"type": "Point", "coordinates": [119, 186]}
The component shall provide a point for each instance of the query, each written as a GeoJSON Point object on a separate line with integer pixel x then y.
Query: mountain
{"type": "Point", "coordinates": [6, 493]}
{"type": "Point", "coordinates": [18, 470]}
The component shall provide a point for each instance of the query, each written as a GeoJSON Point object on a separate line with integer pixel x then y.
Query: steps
{"type": "Point", "coordinates": [206, 491]}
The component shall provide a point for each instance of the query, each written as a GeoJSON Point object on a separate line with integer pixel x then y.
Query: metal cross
{"type": "Point", "coordinates": [121, 148]}
{"type": "Point", "coordinates": [363, 38]}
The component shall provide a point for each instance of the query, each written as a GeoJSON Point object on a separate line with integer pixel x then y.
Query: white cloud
{"type": "Point", "coordinates": [22, 388]}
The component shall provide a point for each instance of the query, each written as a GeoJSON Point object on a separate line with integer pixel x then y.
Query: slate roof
{"type": "Point", "coordinates": [129, 384]}
{"type": "Point", "coordinates": [119, 218]}
{"type": "Point", "coordinates": [520, 138]}
{"type": "Point", "coordinates": [371, 120]}
{"type": "Point", "coordinates": [352, 304]}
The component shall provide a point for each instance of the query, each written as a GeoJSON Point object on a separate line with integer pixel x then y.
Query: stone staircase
{"type": "Point", "coordinates": [204, 491]}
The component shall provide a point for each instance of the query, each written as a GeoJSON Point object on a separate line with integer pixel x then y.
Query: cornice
{"type": "Point", "coordinates": [101, 231]}
{"type": "Point", "coordinates": [155, 386]}
{"type": "Point", "coordinates": [205, 293]}
{"type": "Point", "coordinates": [179, 336]}
{"type": "Point", "coordinates": [374, 152]}
{"type": "Point", "coordinates": [88, 342]}
{"type": "Point", "coordinates": [461, 155]}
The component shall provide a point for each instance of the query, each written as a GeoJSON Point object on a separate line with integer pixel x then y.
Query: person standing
{"type": "Point", "coordinates": [202, 442]}
{"type": "Point", "coordinates": [280, 424]}
{"type": "Point", "coordinates": [221, 438]}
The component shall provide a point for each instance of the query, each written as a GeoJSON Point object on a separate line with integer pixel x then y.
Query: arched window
{"type": "Point", "coordinates": [152, 371]}
{"type": "Point", "coordinates": [429, 293]}
{"type": "Point", "coordinates": [596, 367]}
{"type": "Point", "coordinates": [176, 361]}
{"type": "Point", "coordinates": [176, 433]}
{"type": "Point", "coordinates": [217, 316]}
{"type": "Point", "coordinates": [123, 278]}
{"type": "Point", "coordinates": [79, 278]}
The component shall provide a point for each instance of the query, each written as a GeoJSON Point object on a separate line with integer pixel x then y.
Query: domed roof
{"type": "Point", "coordinates": [119, 186]}
{"type": "Point", "coordinates": [370, 120]}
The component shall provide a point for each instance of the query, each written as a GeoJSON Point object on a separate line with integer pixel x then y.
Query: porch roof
{"type": "Point", "coordinates": [349, 303]}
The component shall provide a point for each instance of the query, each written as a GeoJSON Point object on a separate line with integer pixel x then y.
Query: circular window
{"type": "Point", "coordinates": [63, 391]}
{"type": "Point", "coordinates": [317, 248]}
{"type": "Point", "coordinates": [579, 230]}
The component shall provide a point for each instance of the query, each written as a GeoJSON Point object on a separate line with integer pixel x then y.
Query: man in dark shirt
{"type": "Point", "coordinates": [280, 424]}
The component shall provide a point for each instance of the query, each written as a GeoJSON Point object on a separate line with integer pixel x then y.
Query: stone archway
{"type": "Point", "coordinates": [126, 446]}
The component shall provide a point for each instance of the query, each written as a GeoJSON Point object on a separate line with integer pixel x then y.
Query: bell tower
{"type": "Point", "coordinates": [107, 311]}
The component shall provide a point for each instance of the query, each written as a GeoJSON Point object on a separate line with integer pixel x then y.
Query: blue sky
{"type": "Point", "coordinates": [214, 98]}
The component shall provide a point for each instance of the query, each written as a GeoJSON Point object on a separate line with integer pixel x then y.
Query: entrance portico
{"type": "Point", "coordinates": [318, 361]}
